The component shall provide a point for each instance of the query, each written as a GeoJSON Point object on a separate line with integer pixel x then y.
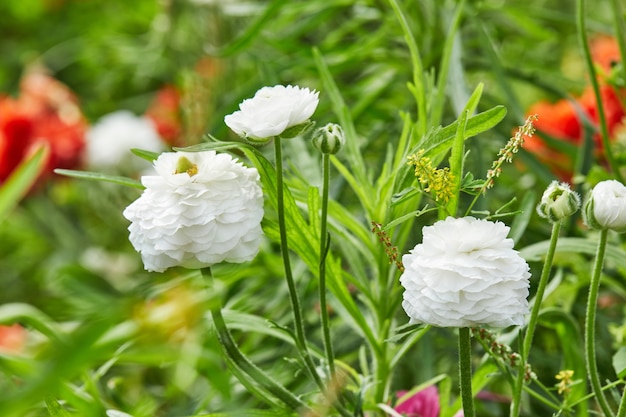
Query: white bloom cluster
{"type": "Point", "coordinates": [109, 141]}
{"type": "Point", "coordinates": [606, 206]}
{"type": "Point", "coordinates": [272, 111]}
{"type": "Point", "coordinates": [465, 273]}
{"type": "Point", "coordinates": [200, 209]}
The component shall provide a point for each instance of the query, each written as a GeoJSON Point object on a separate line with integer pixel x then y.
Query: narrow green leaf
{"type": "Point", "coordinates": [252, 32]}
{"type": "Point", "coordinates": [456, 167]}
{"type": "Point", "coordinates": [21, 180]}
{"type": "Point", "coordinates": [55, 409]}
{"type": "Point", "coordinates": [472, 103]}
{"type": "Point", "coordinates": [441, 139]}
{"type": "Point", "coordinates": [147, 155]}
{"type": "Point", "coordinates": [536, 252]}
{"type": "Point", "coordinates": [619, 362]}
{"type": "Point", "coordinates": [527, 209]}
{"type": "Point", "coordinates": [97, 176]}
{"type": "Point", "coordinates": [341, 110]}
{"type": "Point", "coordinates": [215, 145]}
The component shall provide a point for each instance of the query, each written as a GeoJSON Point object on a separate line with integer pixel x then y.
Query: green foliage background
{"type": "Point", "coordinates": [94, 344]}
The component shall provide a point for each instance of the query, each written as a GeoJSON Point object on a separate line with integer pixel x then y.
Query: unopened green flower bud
{"type": "Point", "coordinates": [606, 207]}
{"type": "Point", "coordinates": [329, 139]}
{"type": "Point", "coordinates": [558, 202]}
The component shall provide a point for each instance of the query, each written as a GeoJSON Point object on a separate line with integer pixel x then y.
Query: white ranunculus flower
{"type": "Point", "coordinates": [465, 273]}
{"type": "Point", "coordinates": [110, 140]}
{"type": "Point", "coordinates": [272, 111]}
{"type": "Point", "coordinates": [606, 206]}
{"type": "Point", "coordinates": [200, 209]}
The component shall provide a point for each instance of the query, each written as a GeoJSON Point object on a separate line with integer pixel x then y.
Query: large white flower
{"type": "Point", "coordinates": [200, 209]}
{"type": "Point", "coordinates": [271, 111]}
{"type": "Point", "coordinates": [109, 141]}
{"type": "Point", "coordinates": [465, 273]}
{"type": "Point", "coordinates": [606, 206]}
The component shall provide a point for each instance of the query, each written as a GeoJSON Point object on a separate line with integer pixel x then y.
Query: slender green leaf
{"type": "Point", "coordinates": [55, 409]}
{"type": "Point", "coordinates": [441, 139]}
{"type": "Point", "coordinates": [97, 176]}
{"type": "Point", "coordinates": [147, 155]}
{"type": "Point", "coordinates": [619, 362]}
{"type": "Point", "coordinates": [536, 252]}
{"type": "Point", "coordinates": [21, 180]}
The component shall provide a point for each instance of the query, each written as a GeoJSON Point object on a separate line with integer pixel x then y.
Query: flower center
{"type": "Point", "coordinates": [185, 165]}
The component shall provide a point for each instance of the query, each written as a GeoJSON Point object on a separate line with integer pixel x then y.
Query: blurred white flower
{"type": "Point", "coordinates": [606, 206]}
{"type": "Point", "coordinates": [465, 273]}
{"type": "Point", "coordinates": [272, 111]}
{"type": "Point", "coordinates": [200, 209]}
{"type": "Point", "coordinates": [109, 141]}
{"type": "Point", "coordinates": [558, 202]}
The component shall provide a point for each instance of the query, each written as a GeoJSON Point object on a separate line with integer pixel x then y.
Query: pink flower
{"type": "Point", "coordinates": [424, 403]}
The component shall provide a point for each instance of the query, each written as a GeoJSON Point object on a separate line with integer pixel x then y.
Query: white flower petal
{"type": "Point", "coordinates": [465, 273]}
{"type": "Point", "coordinates": [272, 110]}
{"type": "Point", "coordinates": [197, 220]}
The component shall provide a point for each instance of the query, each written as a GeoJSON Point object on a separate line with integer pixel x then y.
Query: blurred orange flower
{"type": "Point", "coordinates": [45, 111]}
{"type": "Point", "coordinates": [12, 338]}
{"type": "Point", "coordinates": [561, 119]}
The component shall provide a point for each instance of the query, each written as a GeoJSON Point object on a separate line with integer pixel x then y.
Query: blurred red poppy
{"type": "Point", "coordinates": [45, 111]}
{"type": "Point", "coordinates": [561, 119]}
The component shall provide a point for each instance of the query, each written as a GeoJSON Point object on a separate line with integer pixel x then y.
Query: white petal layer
{"type": "Point", "coordinates": [199, 220]}
{"type": "Point", "coordinates": [465, 273]}
{"type": "Point", "coordinates": [272, 110]}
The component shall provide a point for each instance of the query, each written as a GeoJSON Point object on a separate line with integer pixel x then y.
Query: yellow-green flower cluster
{"type": "Point", "coordinates": [438, 182]}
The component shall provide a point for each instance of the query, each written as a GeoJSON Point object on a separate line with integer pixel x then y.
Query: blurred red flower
{"type": "Point", "coordinates": [561, 119]}
{"type": "Point", "coordinates": [164, 111]}
{"type": "Point", "coordinates": [12, 338]}
{"type": "Point", "coordinates": [45, 111]}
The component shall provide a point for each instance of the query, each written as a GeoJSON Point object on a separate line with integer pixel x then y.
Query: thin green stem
{"type": "Point", "coordinates": [620, 32]}
{"type": "Point", "coordinates": [590, 327]}
{"type": "Point", "coordinates": [284, 248]}
{"type": "Point", "coordinates": [621, 411]}
{"type": "Point", "coordinates": [465, 371]}
{"type": "Point", "coordinates": [328, 347]}
{"type": "Point", "coordinates": [582, 36]}
{"type": "Point", "coordinates": [541, 288]}
{"type": "Point", "coordinates": [259, 377]}
{"type": "Point", "coordinates": [534, 316]}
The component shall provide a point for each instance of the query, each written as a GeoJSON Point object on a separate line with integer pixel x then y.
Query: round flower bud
{"type": "Point", "coordinates": [558, 202]}
{"type": "Point", "coordinates": [201, 208]}
{"type": "Point", "coordinates": [329, 139]}
{"type": "Point", "coordinates": [465, 273]}
{"type": "Point", "coordinates": [606, 206]}
{"type": "Point", "coordinates": [274, 111]}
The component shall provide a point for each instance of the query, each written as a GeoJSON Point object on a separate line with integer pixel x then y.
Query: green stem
{"type": "Point", "coordinates": [465, 371]}
{"type": "Point", "coordinates": [620, 32]}
{"type": "Point", "coordinates": [621, 411]}
{"type": "Point", "coordinates": [534, 316]}
{"type": "Point", "coordinates": [582, 35]}
{"type": "Point", "coordinates": [242, 362]}
{"type": "Point", "coordinates": [284, 248]}
{"type": "Point", "coordinates": [328, 347]}
{"type": "Point", "coordinates": [590, 326]}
